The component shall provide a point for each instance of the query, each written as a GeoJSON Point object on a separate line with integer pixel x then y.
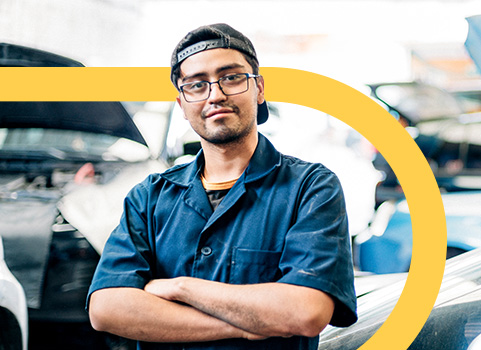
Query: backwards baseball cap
{"type": "Point", "coordinates": [216, 36]}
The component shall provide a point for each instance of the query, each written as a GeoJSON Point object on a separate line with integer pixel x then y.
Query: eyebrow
{"type": "Point", "coordinates": [217, 71]}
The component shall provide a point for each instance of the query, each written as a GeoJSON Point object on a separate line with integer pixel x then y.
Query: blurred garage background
{"type": "Point", "coordinates": [407, 55]}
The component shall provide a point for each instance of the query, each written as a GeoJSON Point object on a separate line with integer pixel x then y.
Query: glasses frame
{"type": "Point", "coordinates": [248, 75]}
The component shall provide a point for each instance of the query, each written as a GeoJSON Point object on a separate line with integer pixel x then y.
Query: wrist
{"type": "Point", "coordinates": [181, 289]}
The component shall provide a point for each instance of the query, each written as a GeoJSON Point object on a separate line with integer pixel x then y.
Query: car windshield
{"type": "Point", "coordinates": [464, 129]}
{"type": "Point", "coordinates": [65, 144]}
{"type": "Point", "coordinates": [420, 102]}
{"type": "Point", "coordinates": [453, 140]}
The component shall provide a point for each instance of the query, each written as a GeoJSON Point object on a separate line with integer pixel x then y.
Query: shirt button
{"type": "Point", "coordinates": [206, 251]}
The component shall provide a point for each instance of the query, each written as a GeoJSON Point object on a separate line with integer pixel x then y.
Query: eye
{"type": "Point", "coordinates": [198, 85]}
{"type": "Point", "coordinates": [233, 77]}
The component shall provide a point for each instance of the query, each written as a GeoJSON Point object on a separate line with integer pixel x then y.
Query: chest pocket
{"type": "Point", "coordinates": [254, 266]}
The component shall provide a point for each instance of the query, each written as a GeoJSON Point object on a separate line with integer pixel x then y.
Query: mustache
{"type": "Point", "coordinates": [231, 106]}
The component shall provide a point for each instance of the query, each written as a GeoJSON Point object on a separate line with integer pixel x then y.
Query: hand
{"type": "Point", "coordinates": [252, 336]}
{"type": "Point", "coordinates": [164, 288]}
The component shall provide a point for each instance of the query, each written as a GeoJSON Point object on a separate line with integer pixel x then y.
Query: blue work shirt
{"type": "Point", "coordinates": [284, 220]}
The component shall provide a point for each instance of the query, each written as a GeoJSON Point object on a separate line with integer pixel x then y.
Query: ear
{"type": "Point", "coordinates": [260, 89]}
{"type": "Point", "coordinates": [179, 101]}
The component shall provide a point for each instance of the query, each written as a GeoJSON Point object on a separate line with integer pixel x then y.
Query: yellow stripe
{"type": "Point", "coordinates": [86, 84]}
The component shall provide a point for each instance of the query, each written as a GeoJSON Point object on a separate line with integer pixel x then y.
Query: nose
{"type": "Point", "coordinates": [216, 93]}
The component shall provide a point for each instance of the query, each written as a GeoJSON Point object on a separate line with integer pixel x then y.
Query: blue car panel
{"type": "Point", "coordinates": [389, 250]}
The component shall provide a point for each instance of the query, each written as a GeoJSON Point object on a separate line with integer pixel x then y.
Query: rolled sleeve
{"type": "Point", "coordinates": [127, 257]}
{"type": "Point", "coordinates": [317, 250]}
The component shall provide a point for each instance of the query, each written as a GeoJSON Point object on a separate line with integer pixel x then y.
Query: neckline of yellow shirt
{"type": "Point", "coordinates": [217, 186]}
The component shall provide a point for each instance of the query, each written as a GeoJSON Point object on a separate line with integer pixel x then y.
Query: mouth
{"type": "Point", "coordinates": [218, 112]}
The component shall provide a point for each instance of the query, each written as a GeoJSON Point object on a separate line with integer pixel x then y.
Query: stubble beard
{"type": "Point", "coordinates": [224, 134]}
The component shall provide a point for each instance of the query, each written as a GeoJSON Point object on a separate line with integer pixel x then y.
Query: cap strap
{"type": "Point", "coordinates": [200, 46]}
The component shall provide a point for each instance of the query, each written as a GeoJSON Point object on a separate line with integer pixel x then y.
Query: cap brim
{"type": "Point", "coordinates": [262, 113]}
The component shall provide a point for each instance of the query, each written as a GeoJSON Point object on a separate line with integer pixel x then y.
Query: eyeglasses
{"type": "Point", "coordinates": [232, 84]}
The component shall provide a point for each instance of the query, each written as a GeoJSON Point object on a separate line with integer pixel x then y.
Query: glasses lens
{"type": "Point", "coordinates": [234, 84]}
{"type": "Point", "coordinates": [197, 91]}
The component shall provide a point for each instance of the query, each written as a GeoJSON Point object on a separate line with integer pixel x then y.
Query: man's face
{"type": "Point", "coordinates": [221, 119]}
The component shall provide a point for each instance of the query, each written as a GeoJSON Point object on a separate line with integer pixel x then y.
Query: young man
{"type": "Point", "coordinates": [244, 248]}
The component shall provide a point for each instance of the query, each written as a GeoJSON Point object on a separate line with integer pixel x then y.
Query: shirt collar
{"type": "Point", "coordinates": [265, 159]}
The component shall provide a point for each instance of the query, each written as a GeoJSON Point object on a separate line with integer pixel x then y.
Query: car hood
{"type": "Point", "coordinates": [99, 117]}
{"type": "Point", "coordinates": [460, 283]}
{"type": "Point", "coordinates": [416, 101]}
{"type": "Point", "coordinates": [20, 56]}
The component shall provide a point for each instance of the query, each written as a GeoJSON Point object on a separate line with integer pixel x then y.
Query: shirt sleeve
{"type": "Point", "coordinates": [127, 259]}
{"type": "Point", "coordinates": [317, 251]}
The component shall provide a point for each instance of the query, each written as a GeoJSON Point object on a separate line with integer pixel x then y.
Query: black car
{"type": "Point", "coordinates": [65, 168]}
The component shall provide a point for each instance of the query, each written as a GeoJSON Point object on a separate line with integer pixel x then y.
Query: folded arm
{"type": "Point", "coordinates": [135, 314]}
{"type": "Point", "coordinates": [268, 309]}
